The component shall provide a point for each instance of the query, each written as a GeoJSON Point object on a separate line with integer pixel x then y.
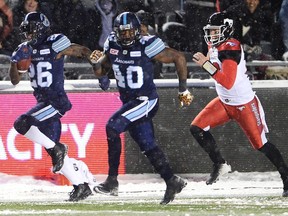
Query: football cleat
{"type": "Point", "coordinates": [173, 186]}
{"type": "Point", "coordinates": [285, 188]}
{"type": "Point", "coordinates": [218, 170]}
{"type": "Point", "coordinates": [80, 192]}
{"type": "Point", "coordinates": [108, 187]}
{"type": "Point", "coordinates": [58, 153]}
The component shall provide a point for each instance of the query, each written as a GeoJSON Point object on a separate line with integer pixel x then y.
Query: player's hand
{"type": "Point", "coordinates": [199, 58]}
{"type": "Point", "coordinates": [185, 98]}
{"type": "Point", "coordinates": [95, 56]}
{"type": "Point", "coordinates": [104, 82]}
{"type": "Point", "coordinates": [23, 51]}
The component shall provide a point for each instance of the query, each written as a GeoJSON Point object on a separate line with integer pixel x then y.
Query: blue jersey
{"type": "Point", "coordinates": [133, 67]}
{"type": "Point", "coordinates": [47, 73]}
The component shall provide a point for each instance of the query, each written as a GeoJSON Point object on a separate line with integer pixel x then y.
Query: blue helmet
{"type": "Point", "coordinates": [35, 27]}
{"type": "Point", "coordinates": [127, 28]}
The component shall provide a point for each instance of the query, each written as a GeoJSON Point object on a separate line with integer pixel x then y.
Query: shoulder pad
{"type": "Point", "coordinates": [153, 45]}
{"type": "Point", "coordinates": [110, 39]}
{"type": "Point", "coordinates": [59, 42]}
{"type": "Point", "coordinates": [55, 37]}
{"type": "Point", "coordinates": [230, 44]}
{"type": "Point", "coordinates": [230, 49]}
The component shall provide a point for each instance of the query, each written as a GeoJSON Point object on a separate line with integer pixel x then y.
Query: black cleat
{"type": "Point", "coordinates": [80, 192]}
{"type": "Point", "coordinates": [285, 188]}
{"type": "Point", "coordinates": [218, 170]}
{"type": "Point", "coordinates": [58, 153]}
{"type": "Point", "coordinates": [174, 186]}
{"type": "Point", "coordinates": [108, 187]}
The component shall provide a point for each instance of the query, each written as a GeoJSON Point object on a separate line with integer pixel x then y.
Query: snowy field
{"type": "Point", "coordinates": [234, 194]}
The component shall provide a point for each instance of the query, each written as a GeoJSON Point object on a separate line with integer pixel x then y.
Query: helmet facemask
{"type": "Point", "coordinates": [214, 35]}
{"type": "Point", "coordinates": [127, 35]}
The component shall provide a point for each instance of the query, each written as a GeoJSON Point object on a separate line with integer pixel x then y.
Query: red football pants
{"type": "Point", "coordinates": [249, 116]}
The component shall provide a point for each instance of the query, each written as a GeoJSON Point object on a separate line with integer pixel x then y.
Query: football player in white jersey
{"type": "Point", "coordinates": [236, 99]}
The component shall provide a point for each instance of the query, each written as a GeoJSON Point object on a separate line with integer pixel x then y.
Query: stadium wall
{"type": "Point", "coordinates": [84, 129]}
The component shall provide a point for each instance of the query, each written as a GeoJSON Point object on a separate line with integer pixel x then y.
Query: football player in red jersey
{"type": "Point", "coordinates": [236, 100]}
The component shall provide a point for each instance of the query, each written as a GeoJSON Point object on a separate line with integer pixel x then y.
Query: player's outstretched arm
{"type": "Point", "coordinates": [76, 50]}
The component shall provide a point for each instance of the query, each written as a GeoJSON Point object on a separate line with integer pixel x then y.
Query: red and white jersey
{"type": "Point", "coordinates": [232, 85]}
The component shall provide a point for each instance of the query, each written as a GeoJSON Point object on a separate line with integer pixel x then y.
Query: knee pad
{"type": "Point", "coordinates": [23, 123]}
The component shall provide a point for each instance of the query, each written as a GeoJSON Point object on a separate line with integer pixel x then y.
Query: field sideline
{"type": "Point", "coordinates": [234, 194]}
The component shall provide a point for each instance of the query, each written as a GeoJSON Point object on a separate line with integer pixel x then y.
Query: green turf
{"type": "Point", "coordinates": [186, 207]}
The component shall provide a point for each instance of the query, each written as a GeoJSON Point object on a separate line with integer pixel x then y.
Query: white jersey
{"type": "Point", "coordinates": [241, 91]}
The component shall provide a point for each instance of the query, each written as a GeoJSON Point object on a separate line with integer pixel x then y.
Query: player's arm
{"type": "Point", "coordinates": [169, 55]}
{"type": "Point", "coordinates": [101, 67]}
{"type": "Point", "coordinates": [76, 50]}
{"type": "Point", "coordinates": [101, 63]}
{"type": "Point", "coordinates": [228, 73]}
{"type": "Point", "coordinates": [15, 76]}
{"type": "Point", "coordinates": [23, 51]}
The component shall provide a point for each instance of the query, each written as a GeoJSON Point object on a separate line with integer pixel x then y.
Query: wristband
{"type": "Point", "coordinates": [182, 85]}
{"type": "Point", "coordinates": [209, 67]}
{"type": "Point", "coordinates": [96, 66]}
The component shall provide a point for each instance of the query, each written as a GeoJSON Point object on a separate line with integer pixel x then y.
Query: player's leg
{"type": "Point", "coordinates": [142, 132]}
{"type": "Point", "coordinates": [42, 125]}
{"type": "Point", "coordinates": [77, 172]}
{"type": "Point", "coordinates": [116, 125]}
{"type": "Point", "coordinates": [252, 121]}
{"type": "Point", "coordinates": [211, 116]}
{"type": "Point", "coordinates": [274, 155]}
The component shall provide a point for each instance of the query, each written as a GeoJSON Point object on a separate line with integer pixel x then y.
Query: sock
{"type": "Point", "coordinates": [207, 142]}
{"type": "Point", "coordinates": [35, 135]}
{"type": "Point", "coordinates": [84, 171]}
{"type": "Point", "coordinates": [72, 172]}
{"type": "Point", "coordinates": [160, 163]}
{"type": "Point", "coordinates": [274, 155]}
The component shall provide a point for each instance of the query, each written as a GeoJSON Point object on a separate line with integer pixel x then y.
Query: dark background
{"type": "Point", "coordinates": [186, 156]}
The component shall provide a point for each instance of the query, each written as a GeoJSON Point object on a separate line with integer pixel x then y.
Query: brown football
{"type": "Point", "coordinates": [23, 65]}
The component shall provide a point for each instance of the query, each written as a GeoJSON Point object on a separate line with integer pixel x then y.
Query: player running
{"type": "Point", "coordinates": [236, 99]}
{"type": "Point", "coordinates": [130, 55]}
{"type": "Point", "coordinates": [41, 124]}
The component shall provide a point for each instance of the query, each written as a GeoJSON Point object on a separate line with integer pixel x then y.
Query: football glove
{"type": "Point", "coordinates": [95, 56]}
{"type": "Point", "coordinates": [104, 82]}
{"type": "Point", "coordinates": [23, 51]}
{"type": "Point", "coordinates": [185, 98]}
